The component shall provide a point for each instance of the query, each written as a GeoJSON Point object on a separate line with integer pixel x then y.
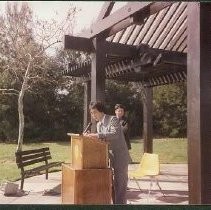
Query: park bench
{"type": "Point", "coordinates": [25, 160]}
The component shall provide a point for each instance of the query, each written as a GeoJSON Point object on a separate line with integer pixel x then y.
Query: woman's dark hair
{"type": "Point", "coordinates": [117, 106]}
{"type": "Point", "coordinates": [97, 105]}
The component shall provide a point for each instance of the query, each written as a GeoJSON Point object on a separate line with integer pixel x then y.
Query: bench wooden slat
{"type": "Point", "coordinates": [24, 158]}
{"type": "Point", "coordinates": [33, 161]}
{"type": "Point", "coordinates": [41, 168]}
{"type": "Point", "coordinates": [31, 151]}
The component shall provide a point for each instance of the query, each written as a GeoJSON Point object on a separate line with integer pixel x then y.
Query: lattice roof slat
{"type": "Point", "coordinates": [177, 33]}
{"type": "Point", "coordinates": [173, 17]}
{"type": "Point", "coordinates": [155, 25]}
{"type": "Point", "coordinates": [163, 23]}
{"type": "Point", "coordinates": [117, 36]}
{"type": "Point", "coordinates": [182, 19]}
{"type": "Point", "coordinates": [120, 35]}
{"type": "Point", "coordinates": [183, 45]}
{"type": "Point", "coordinates": [134, 35]}
{"type": "Point", "coordinates": [181, 42]}
{"type": "Point", "coordinates": [145, 29]}
{"type": "Point", "coordinates": [158, 28]}
{"type": "Point", "coordinates": [110, 38]}
{"type": "Point", "coordinates": [129, 31]}
{"type": "Point", "coordinates": [184, 49]}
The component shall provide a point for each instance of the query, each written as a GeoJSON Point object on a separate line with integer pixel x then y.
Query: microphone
{"type": "Point", "coordinates": [87, 127]}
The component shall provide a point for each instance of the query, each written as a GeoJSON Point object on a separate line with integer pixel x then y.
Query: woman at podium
{"type": "Point", "coordinates": [109, 129]}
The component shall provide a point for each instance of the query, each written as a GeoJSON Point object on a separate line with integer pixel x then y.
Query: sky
{"type": "Point", "coordinates": [87, 15]}
{"type": "Point", "coordinates": [57, 10]}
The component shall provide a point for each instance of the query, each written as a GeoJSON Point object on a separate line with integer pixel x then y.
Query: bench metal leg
{"type": "Point", "coordinates": [46, 174]}
{"type": "Point", "coordinates": [22, 181]}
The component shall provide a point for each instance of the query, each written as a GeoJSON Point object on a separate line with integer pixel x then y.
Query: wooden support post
{"type": "Point", "coordinates": [87, 97]}
{"type": "Point", "coordinates": [98, 72]}
{"type": "Point", "coordinates": [97, 75]}
{"type": "Point", "coordinates": [199, 102]}
{"type": "Point", "coordinates": [147, 121]}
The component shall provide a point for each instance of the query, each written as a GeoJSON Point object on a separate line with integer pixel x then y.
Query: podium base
{"type": "Point", "coordinates": [86, 186]}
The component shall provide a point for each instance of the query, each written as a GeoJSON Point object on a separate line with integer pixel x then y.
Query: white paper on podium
{"type": "Point", "coordinates": [73, 134]}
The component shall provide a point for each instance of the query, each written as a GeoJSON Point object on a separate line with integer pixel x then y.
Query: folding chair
{"type": "Point", "coordinates": [149, 166]}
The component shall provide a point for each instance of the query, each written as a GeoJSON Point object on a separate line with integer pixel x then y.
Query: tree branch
{"type": "Point", "coordinates": [45, 48]}
{"type": "Point", "coordinates": [9, 91]}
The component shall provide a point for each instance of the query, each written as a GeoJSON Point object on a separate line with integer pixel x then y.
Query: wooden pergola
{"type": "Point", "coordinates": [155, 43]}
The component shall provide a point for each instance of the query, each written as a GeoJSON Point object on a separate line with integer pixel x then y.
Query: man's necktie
{"type": "Point", "coordinates": [101, 127]}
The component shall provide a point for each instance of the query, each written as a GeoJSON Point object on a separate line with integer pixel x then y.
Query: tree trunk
{"type": "Point", "coordinates": [20, 108]}
{"type": "Point", "coordinates": [21, 120]}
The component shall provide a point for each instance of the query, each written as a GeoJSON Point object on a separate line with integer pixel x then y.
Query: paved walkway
{"type": "Point", "coordinates": [173, 181]}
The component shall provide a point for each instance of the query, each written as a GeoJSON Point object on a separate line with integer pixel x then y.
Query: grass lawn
{"type": "Point", "coordinates": [169, 150]}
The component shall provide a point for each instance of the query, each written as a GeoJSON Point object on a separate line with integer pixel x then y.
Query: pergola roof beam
{"type": "Point", "coordinates": [160, 75]}
{"type": "Point", "coordinates": [86, 45]}
{"type": "Point", "coordinates": [105, 10]}
{"type": "Point", "coordinates": [118, 16]}
{"type": "Point", "coordinates": [157, 6]}
{"type": "Point", "coordinates": [132, 13]}
{"type": "Point", "coordinates": [78, 43]}
{"type": "Point", "coordinates": [137, 65]}
{"type": "Point", "coordinates": [166, 56]}
{"type": "Point", "coordinates": [120, 49]}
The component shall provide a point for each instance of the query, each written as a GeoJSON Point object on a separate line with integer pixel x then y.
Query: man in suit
{"type": "Point", "coordinates": [109, 129]}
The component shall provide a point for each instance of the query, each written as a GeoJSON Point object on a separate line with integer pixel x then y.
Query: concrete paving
{"type": "Point", "coordinates": [173, 180]}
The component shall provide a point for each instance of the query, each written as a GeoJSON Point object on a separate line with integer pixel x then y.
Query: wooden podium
{"type": "Point", "coordinates": [88, 180]}
{"type": "Point", "coordinates": [88, 153]}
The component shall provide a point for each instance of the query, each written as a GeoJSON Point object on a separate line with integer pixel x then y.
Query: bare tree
{"type": "Point", "coordinates": [25, 44]}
